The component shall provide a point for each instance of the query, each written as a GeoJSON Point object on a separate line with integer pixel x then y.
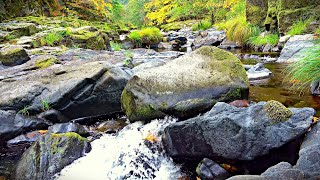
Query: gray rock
{"type": "Point", "coordinates": [13, 55]}
{"type": "Point", "coordinates": [267, 48]}
{"type": "Point", "coordinates": [25, 138]}
{"type": "Point", "coordinates": [314, 88]}
{"type": "Point", "coordinates": [283, 171]}
{"type": "Point", "coordinates": [77, 89]}
{"type": "Point", "coordinates": [53, 116]}
{"type": "Point", "coordinates": [210, 170]}
{"type": "Point", "coordinates": [49, 155]}
{"type": "Point", "coordinates": [309, 154]}
{"type": "Point", "coordinates": [185, 86]}
{"type": "Point", "coordinates": [258, 72]}
{"type": "Point", "coordinates": [213, 37]}
{"type": "Point", "coordinates": [18, 29]}
{"type": "Point", "coordinates": [231, 133]}
{"type": "Point", "coordinates": [293, 48]}
{"type": "Point", "coordinates": [68, 127]}
{"type": "Point", "coordinates": [247, 177]}
{"type": "Point", "coordinates": [13, 124]}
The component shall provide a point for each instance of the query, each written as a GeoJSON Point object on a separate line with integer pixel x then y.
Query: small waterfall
{"type": "Point", "coordinates": [126, 155]}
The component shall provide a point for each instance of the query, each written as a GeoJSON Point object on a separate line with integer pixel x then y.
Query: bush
{"type": "Point", "coordinates": [272, 39]}
{"type": "Point", "coordinates": [149, 35]}
{"type": "Point", "coordinates": [302, 73]}
{"type": "Point", "coordinates": [299, 27]}
{"type": "Point", "coordinates": [202, 25]}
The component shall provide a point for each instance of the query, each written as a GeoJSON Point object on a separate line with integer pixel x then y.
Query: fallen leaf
{"type": "Point", "coordinates": [315, 120]}
{"type": "Point", "coordinates": [43, 131]}
{"type": "Point", "coordinates": [151, 138]}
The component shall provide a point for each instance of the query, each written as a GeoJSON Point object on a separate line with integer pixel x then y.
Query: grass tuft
{"type": "Point", "coordinates": [115, 46]}
{"type": "Point", "coordinates": [299, 27]}
{"type": "Point", "coordinates": [271, 39]}
{"type": "Point", "coordinates": [302, 73]}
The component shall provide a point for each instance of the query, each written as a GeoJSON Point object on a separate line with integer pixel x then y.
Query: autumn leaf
{"type": "Point", "coordinates": [151, 138]}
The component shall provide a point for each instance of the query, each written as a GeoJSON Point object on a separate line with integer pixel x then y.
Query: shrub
{"type": "Point", "coordinates": [272, 39]}
{"type": "Point", "coordinates": [115, 46]}
{"type": "Point", "coordinates": [202, 25]}
{"type": "Point", "coordinates": [302, 73]}
{"type": "Point", "coordinates": [299, 27]}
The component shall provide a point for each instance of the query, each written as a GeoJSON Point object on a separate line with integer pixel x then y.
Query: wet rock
{"type": "Point", "coordinates": [258, 72]}
{"type": "Point", "coordinates": [283, 171]}
{"type": "Point", "coordinates": [232, 134]}
{"type": "Point", "coordinates": [314, 88]}
{"type": "Point", "coordinates": [26, 138]}
{"type": "Point", "coordinates": [68, 127]}
{"type": "Point", "coordinates": [49, 155]}
{"type": "Point", "coordinates": [78, 89]}
{"type": "Point", "coordinates": [210, 170]}
{"type": "Point", "coordinates": [213, 37]}
{"type": "Point", "coordinates": [13, 55]}
{"type": "Point", "coordinates": [53, 116]}
{"type": "Point", "coordinates": [240, 103]}
{"type": "Point", "coordinates": [226, 44]}
{"type": "Point", "coordinates": [295, 45]}
{"type": "Point", "coordinates": [267, 48]}
{"type": "Point", "coordinates": [309, 155]}
{"type": "Point", "coordinates": [185, 86]}
{"type": "Point", "coordinates": [247, 177]}
{"type": "Point", "coordinates": [13, 124]}
{"type": "Point", "coordinates": [110, 126]}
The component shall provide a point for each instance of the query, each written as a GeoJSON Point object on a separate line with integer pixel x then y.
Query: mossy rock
{"type": "Point", "coordinates": [185, 86]}
{"type": "Point", "coordinates": [175, 26]}
{"type": "Point", "coordinates": [277, 111]}
{"type": "Point", "coordinates": [46, 62]}
{"type": "Point", "coordinates": [13, 55]}
{"type": "Point", "coordinates": [50, 154]}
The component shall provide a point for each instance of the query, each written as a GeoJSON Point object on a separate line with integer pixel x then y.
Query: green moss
{"type": "Point", "coordinates": [277, 111]}
{"type": "Point", "coordinates": [44, 63]}
{"type": "Point", "coordinates": [202, 25]}
{"type": "Point", "coordinates": [148, 36]}
{"type": "Point", "coordinates": [174, 26]}
{"type": "Point", "coordinates": [71, 135]}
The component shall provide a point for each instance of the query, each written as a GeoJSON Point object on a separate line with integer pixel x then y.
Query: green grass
{"type": "Point", "coordinates": [317, 31]}
{"type": "Point", "coordinates": [45, 105]}
{"type": "Point", "coordinates": [115, 46]}
{"type": "Point", "coordinates": [271, 39]}
{"type": "Point", "coordinates": [239, 30]}
{"type": "Point", "coordinates": [202, 25]}
{"type": "Point", "coordinates": [24, 111]}
{"type": "Point", "coordinates": [302, 73]}
{"type": "Point", "coordinates": [299, 27]}
{"type": "Point", "coordinates": [52, 38]}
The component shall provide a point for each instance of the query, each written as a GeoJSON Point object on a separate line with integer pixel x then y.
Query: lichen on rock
{"type": "Point", "coordinates": [277, 111]}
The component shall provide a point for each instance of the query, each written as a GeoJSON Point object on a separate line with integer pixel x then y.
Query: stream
{"type": "Point", "coordinates": [136, 151]}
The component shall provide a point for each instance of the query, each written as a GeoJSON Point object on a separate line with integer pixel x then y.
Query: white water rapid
{"type": "Point", "coordinates": [126, 155]}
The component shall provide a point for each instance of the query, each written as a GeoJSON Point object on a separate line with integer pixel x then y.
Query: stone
{"type": "Point", "coordinates": [247, 177]}
{"type": "Point", "coordinates": [258, 72]}
{"type": "Point", "coordinates": [77, 89]}
{"type": "Point", "coordinates": [233, 134]}
{"type": "Point", "coordinates": [54, 116]}
{"type": "Point", "coordinates": [267, 48]}
{"type": "Point", "coordinates": [213, 37]}
{"type": "Point", "coordinates": [309, 154]}
{"type": "Point", "coordinates": [185, 86]}
{"type": "Point", "coordinates": [240, 103]}
{"type": "Point", "coordinates": [110, 126]}
{"type": "Point", "coordinates": [26, 138]}
{"type": "Point", "coordinates": [293, 49]}
{"type": "Point", "coordinates": [49, 155]}
{"type": "Point", "coordinates": [210, 170]}
{"type": "Point", "coordinates": [13, 55]}
{"type": "Point", "coordinates": [13, 124]}
{"type": "Point", "coordinates": [68, 127]}
{"type": "Point", "coordinates": [283, 171]}
{"type": "Point", "coordinates": [19, 29]}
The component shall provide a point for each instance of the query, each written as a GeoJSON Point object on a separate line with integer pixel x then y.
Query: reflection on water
{"type": "Point", "coordinates": [275, 89]}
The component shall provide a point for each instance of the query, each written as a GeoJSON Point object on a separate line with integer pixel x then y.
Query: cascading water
{"type": "Point", "coordinates": [126, 155]}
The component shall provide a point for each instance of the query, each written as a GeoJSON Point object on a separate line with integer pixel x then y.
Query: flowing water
{"type": "Point", "coordinates": [133, 153]}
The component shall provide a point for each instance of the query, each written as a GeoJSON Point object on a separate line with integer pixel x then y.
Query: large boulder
{"type": "Point", "coordinates": [18, 29]}
{"type": "Point", "coordinates": [294, 48]}
{"type": "Point", "coordinates": [49, 155]}
{"type": "Point", "coordinates": [229, 133]}
{"type": "Point", "coordinates": [185, 86]}
{"type": "Point", "coordinates": [209, 37]}
{"type": "Point", "coordinates": [76, 89]}
{"type": "Point", "coordinates": [12, 124]}
{"type": "Point", "coordinates": [13, 55]}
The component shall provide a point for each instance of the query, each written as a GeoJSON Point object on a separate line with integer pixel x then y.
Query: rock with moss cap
{"type": "Point", "coordinates": [13, 55]}
{"type": "Point", "coordinates": [277, 111]}
{"type": "Point", "coordinates": [49, 155]}
{"type": "Point", "coordinates": [185, 86]}
{"type": "Point", "coordinates": [245, 136]}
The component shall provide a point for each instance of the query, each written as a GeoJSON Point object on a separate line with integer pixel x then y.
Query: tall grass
{"type": "Point", "coordinates": [302, 73]}
{"type": "Point", "coordinates": [239, 30]}
{"type": "Point", "coordinates": [271, 39]}
{"type": "Point", "coordinates": [299, 27]}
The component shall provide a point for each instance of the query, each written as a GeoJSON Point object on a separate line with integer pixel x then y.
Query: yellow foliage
{"type": "Point", "coordinates": [158, 11]}
{"type": "Point", "coordinates": [151, 138]}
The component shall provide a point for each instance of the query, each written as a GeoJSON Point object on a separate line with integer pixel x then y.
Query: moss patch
{"type": "Point", "coordinates": [277, 111]}
{"type": "Point", "coordinates": [44, 63]}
